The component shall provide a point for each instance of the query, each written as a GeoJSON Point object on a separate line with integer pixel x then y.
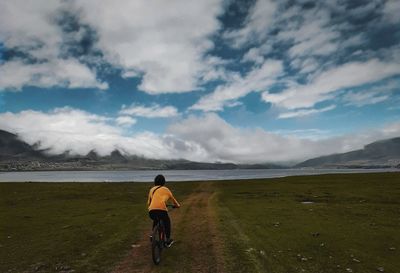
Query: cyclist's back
{"type": "Point", "coordinates": [158, 197]}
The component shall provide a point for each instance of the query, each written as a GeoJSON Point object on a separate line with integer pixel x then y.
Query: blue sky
{"type": "Point", "coordinates": [213, 80]}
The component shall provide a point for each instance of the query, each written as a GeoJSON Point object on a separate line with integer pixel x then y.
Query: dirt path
{"type": "Point", "coordinates": [198, 246]}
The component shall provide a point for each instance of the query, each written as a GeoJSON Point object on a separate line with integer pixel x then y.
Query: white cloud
{"type": "Point", "coordinates": [67, 129]}
{"type": "Point", "coordinates": [226, 143]}
{"type": "Point", "coordinates": [164, 41]}
{"type": "Point", "coordinates": [309, 65]}
{"type": "Point", "coordinates": [353, 40]}
{"type": "Point", "coordinates": [215, 69]}
{"type": "Point", "coordinates": [306, 65]}
{"type": "Point", "coordinates": [31, 27]}
{"type": "Point", "coordinates": [366, 96]}
{"type": "Point", "coordinates": [313, 37]}
{"type": "Point", "coordinates": [62, 129]}
{"type": "Point", "coordinates": [258, 79]}
{"type": "Point", "coordinates": [305, 112]}
{"type": "Point", "coordinates": [253, 55]}
{"type": "Point", "coordinates": [391, 11]}
{"type": "Point", "coordinates": [256, 26]}
{"type": "Point", "coordinates": [205, 138]}
{"type": "Point", "coordinates": [311, 134]}
{"type": "Point", "coordinates": [67, 73]}
{"type": "Point", "coordinates": [154, 111]}
{"type": "Point", "coordinates": [125, 121]}
{"type": "Point", "coordinates": [256, 54]}
{"type": "Point", "coordinates": [313, 34]}
{"type": "Point", "coordinates": [361, 11]}
{"type": "Point", "coordinates": [310, 33]}
{"type": "Point", "coordinates": [326, 83]}
{"type": "Point", "coordinates": [221, 141]}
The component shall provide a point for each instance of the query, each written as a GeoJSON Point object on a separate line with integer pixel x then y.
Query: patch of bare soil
{"type": "Point", "coordinates": [204, 242]}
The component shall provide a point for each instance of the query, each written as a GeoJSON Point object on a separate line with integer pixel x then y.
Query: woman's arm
{"type": "Point", "coordinates": [171, 196]}
{"type": "Point", "coordinates": [175, 202]}
{"type": "Point", "coordinates": [148, 198]}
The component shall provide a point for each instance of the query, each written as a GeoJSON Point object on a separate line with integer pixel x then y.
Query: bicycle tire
{"type": "Point", "coordinates": [157, 244]}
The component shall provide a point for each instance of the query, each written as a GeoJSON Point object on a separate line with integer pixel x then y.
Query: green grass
{"type": "Point", "coordinates": [353, 218]}
{"type": "Point", "coordinates": [87, 227]}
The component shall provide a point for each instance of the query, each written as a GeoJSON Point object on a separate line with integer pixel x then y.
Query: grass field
{"type": "Point", "coordinates": [353, 224]}
{"type": "Point", "coordinates": [86, 227]}
{"type": "Point", "coordinates": [327, 223]}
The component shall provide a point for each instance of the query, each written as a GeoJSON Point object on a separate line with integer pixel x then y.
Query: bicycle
{"type": "Point", "coordinates": [158, 239]}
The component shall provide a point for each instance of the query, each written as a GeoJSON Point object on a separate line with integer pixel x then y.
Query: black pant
{"type": "Point", "coordinates": [163, 215]}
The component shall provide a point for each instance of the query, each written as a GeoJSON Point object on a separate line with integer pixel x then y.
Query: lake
{"type": "Point", "coordinates": [171, 175]}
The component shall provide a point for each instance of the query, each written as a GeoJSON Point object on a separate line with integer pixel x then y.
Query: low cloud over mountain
{"type": "Point", "coordinates": [207, 138]}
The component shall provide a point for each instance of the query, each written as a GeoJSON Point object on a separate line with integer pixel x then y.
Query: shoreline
{"type": "Point", "coordinates": [139, 176]}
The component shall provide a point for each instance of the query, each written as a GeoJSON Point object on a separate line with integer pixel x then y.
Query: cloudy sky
{"type": "Point", "coordinates": [210, 80]}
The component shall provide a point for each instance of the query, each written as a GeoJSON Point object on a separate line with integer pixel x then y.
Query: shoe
{"type": "Point", "coordinates": [169, 243]}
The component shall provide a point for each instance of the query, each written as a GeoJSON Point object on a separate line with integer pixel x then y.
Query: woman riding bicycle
{"type": "Point", "coordinates": [158, 197]}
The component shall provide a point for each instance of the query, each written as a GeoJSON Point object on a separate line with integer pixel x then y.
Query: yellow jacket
{"type": "Point", "coordinates": [159, 198]}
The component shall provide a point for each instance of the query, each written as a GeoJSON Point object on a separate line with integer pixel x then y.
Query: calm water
{"type": "Point", "coordinates": [171, 175]}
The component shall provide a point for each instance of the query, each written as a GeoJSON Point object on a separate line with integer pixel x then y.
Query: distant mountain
{"type": "Point", "coordinates": [190, 165]}
{"type": "Point", "coordinates": [117, 157]}
{"type": "Point", "coordinates": [379, 154]}
{"type": "Point", "coordinates": [13, 148]}
{"type": "Point", "coordinates": [92, 155]}
{"type": "Point", "coordinates": [17, 155]}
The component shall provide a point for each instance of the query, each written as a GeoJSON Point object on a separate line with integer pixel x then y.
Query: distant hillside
{"type": "Point", "coordinates": [13, 148]}
{"type": "Point", "coordinates": [190, 165]}
{"type": "Point", "coordinates": [379, 154]}
{"type": "Point", "coordinates": [16, 155]}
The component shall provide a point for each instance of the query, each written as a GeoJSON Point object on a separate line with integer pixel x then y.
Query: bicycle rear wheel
{"type": "Point", "coordinates": [156, 244]}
